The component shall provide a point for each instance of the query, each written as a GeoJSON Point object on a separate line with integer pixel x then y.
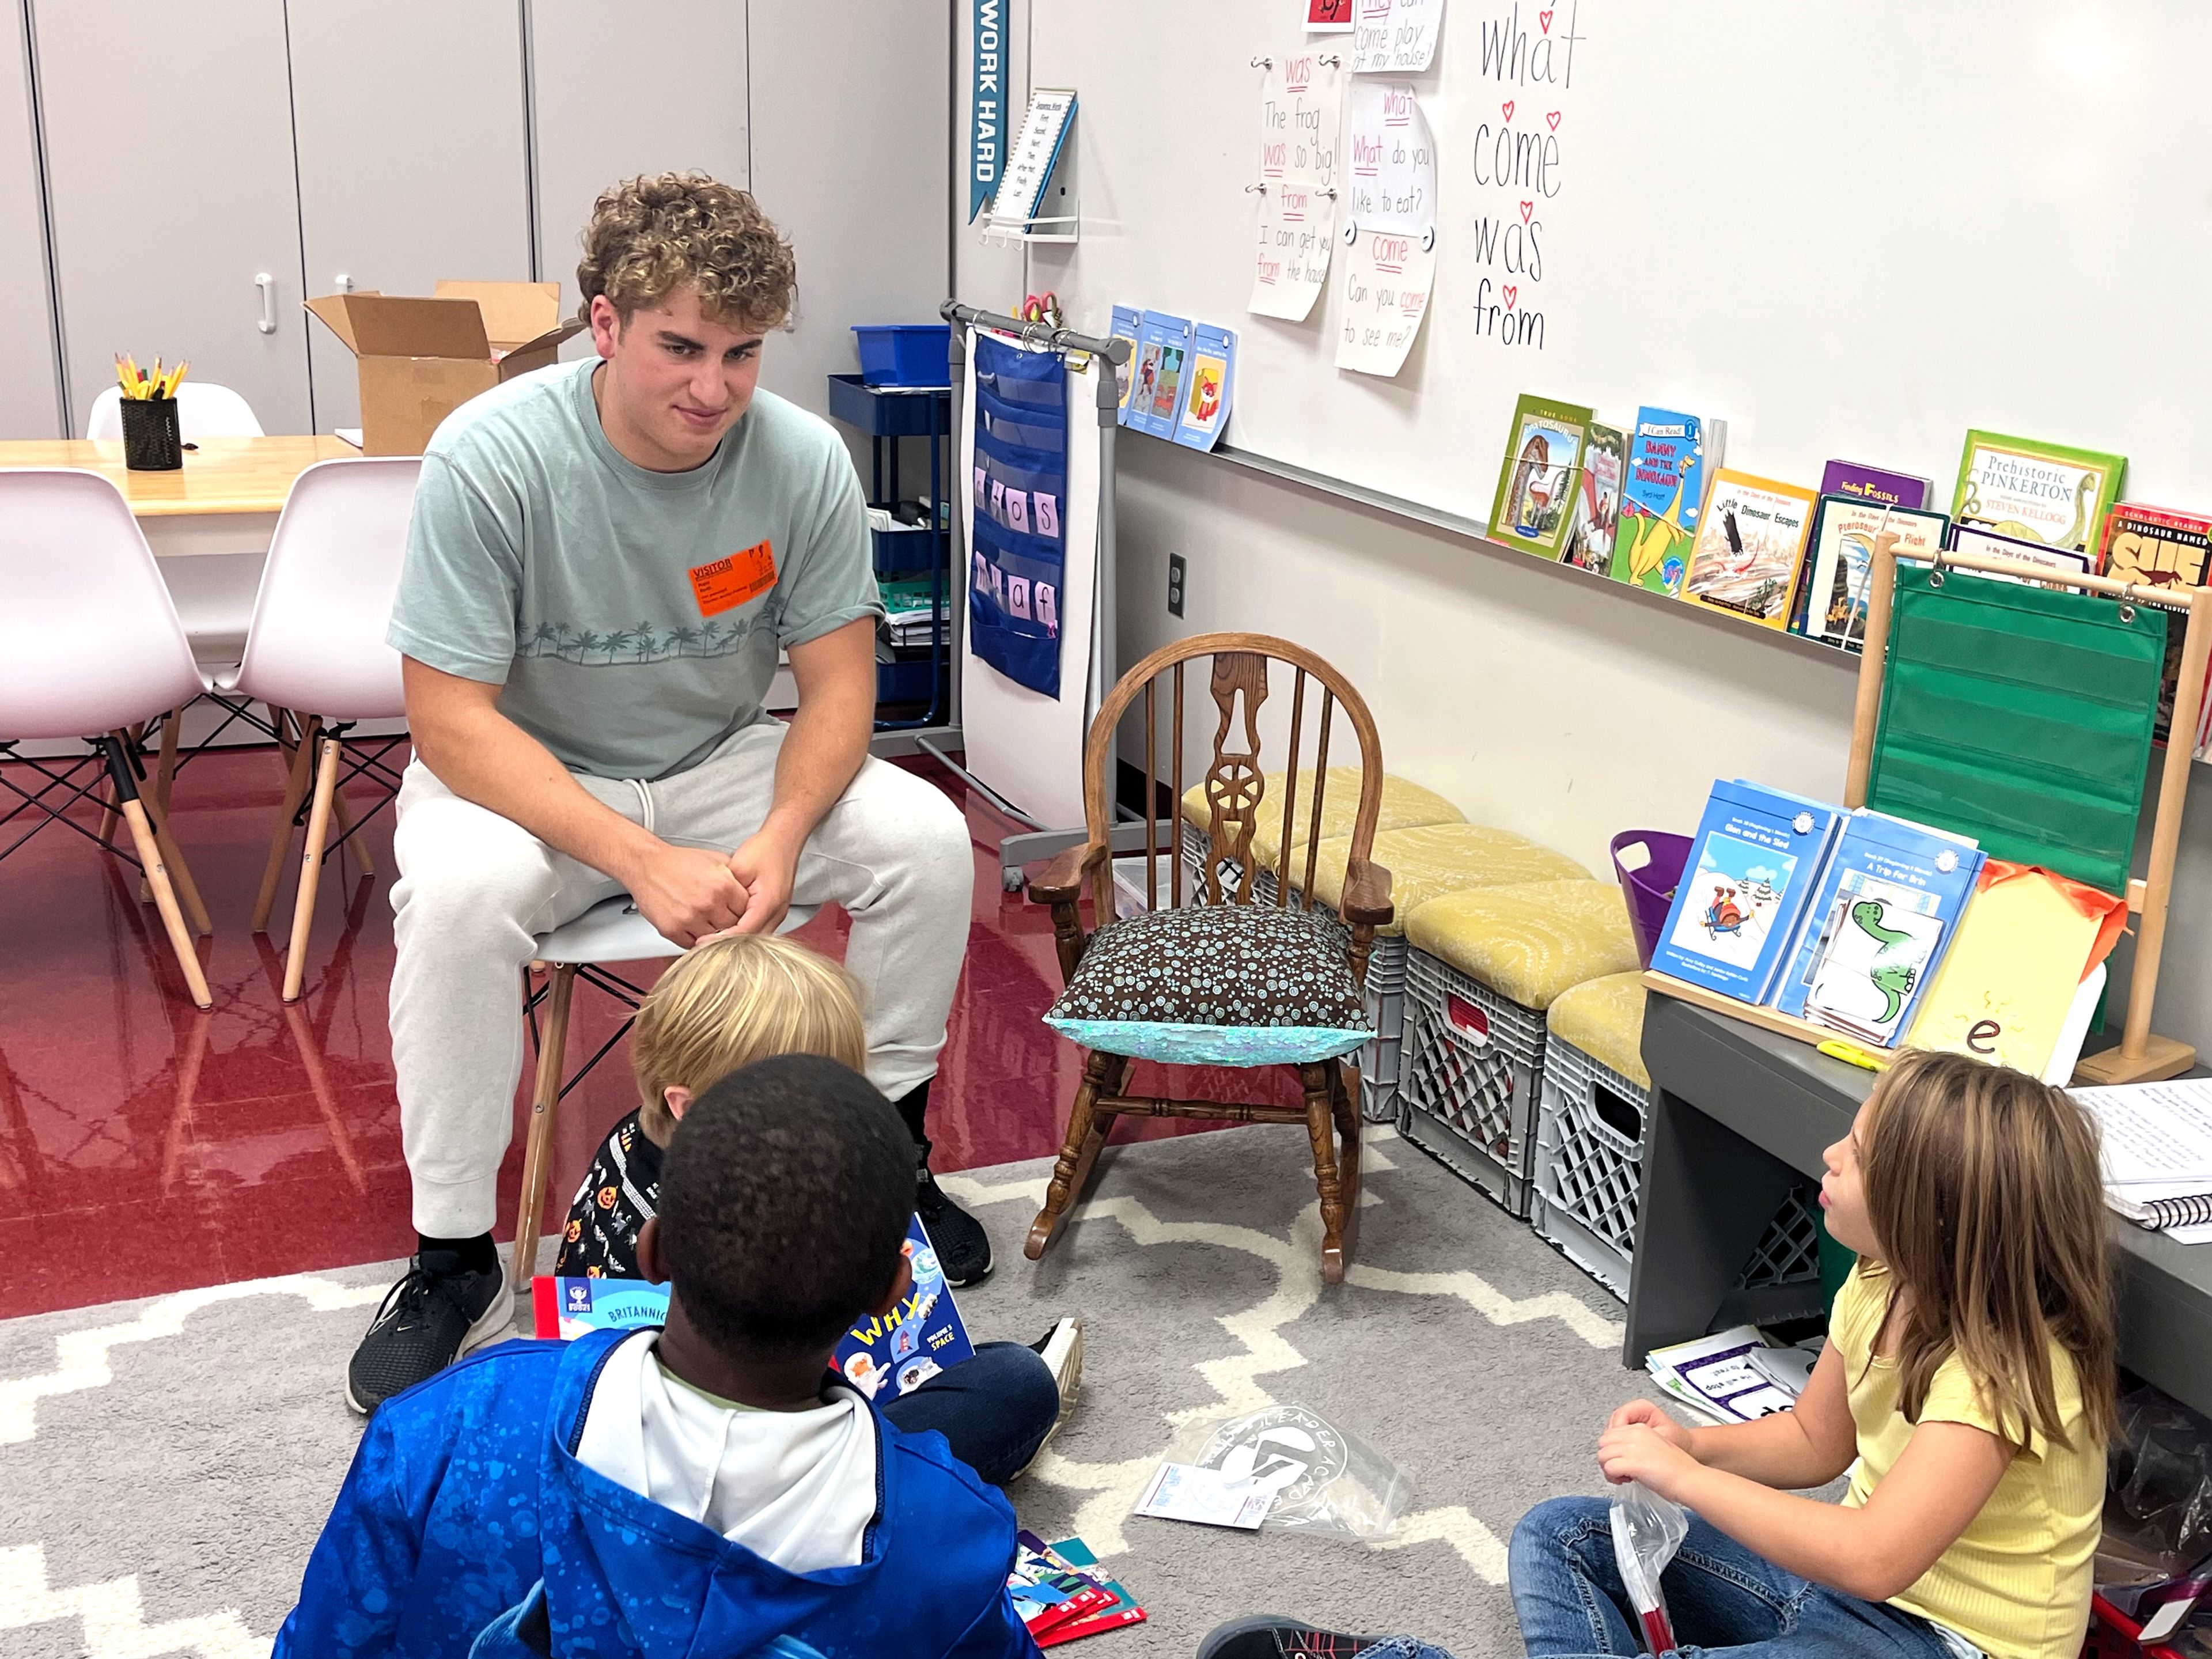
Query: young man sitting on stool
{"type": "Point", "coordinates": [606, 558]}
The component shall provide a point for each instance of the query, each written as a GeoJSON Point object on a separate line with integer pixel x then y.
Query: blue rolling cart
{"type": "Point", "coordinates": [917, 680]}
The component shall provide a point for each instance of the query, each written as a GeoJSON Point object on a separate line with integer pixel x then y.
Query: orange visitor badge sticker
{"type": "Point", "coordinates": [730, 582]}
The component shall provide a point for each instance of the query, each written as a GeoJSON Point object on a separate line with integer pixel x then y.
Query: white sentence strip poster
{"type": "Point", "coordinates": [1389, 263]}
{"type": "Point", "coordinates": [1301, 105]}
{"type": "Point", "coordinates": [1395, 37]}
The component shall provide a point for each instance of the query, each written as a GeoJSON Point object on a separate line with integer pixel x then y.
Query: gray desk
{"type": "Point", "coordinates": [1737, 1113]}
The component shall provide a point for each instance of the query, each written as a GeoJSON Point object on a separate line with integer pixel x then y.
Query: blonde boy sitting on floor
{"type": "Point", "coordinates": [723, 1005]}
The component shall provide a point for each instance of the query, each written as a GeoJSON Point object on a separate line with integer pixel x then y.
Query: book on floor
{"type": "Point", "coordinates": [1533, 506]}
{"type": "Point", "coordinates": [1882, 915]}
{"type": "Point", "coordinates": [1753, 863]}
{"type": "Point", "coordinates": [2042, 492]}
{"type": "Point", "coordinates": [1124, 1610]}
{"type": "Point", "coordinates": [1750, 546]}
{"type": "Point", "coordinates": [1597, 501]}
{"type": "Point", "coordinates": [1874, 484]}
{"type": "Point", "coordinates": [1048, 1590]}
{"type": "Point", "coordinates": [1839, 562]}
{"type": "Point", "coordinates": [1672, 457]}
{"type": "Point", "coordinates": [1731, 1376]}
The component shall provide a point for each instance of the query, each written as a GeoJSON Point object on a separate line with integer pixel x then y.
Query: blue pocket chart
{"type": "Point", "coordinates": [1018, 491]}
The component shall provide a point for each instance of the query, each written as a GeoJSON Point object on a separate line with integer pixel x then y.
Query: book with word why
{"type": "Point", "coordinates": [1875, 484]}
{"type": "Point", "coordinates": [1750, 547]}
{"type": "Point", "coordinates": [1207, 383]}
{"type": "Point", "coordinates": [2008, 984]}
{"type": "Point", "coordinates": [1533, 507]}
{"type": "Point", "coordinates": [1880, 918]}
{"type": "Point", "coordinates": [1672, 457]}
{"type": "Point", "coordinates": [1751, 868]}
{"type": "Point", "coordinates": [1163, 345]}
{"type": "Point", "coordinates": [2042, 492]}
{"type": "Point", "coordinates": [884, 1356]}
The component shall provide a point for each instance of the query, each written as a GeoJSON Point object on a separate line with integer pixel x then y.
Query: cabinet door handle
{"type": "Point", "coordinates": [267, 285]}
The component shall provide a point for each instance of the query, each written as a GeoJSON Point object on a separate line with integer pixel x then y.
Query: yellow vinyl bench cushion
{"type": "Point", "coordinates": [1604, 1018]}
{"type": "Point", "coordinates": [1530, 943]}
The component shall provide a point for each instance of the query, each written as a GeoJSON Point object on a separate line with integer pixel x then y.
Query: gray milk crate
{"type": "Point", "coordinates": [1591, 1131]}
{"type": "Point", "coordinates": [1471, 1064]}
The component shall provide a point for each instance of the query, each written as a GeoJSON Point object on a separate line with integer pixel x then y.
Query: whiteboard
{"type": "Point", "coordinates": [1848, 230]}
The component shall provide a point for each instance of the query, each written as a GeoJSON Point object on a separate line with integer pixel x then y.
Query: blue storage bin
{"type": "Point", "coordinates": [905, 353]}
{"type": "Point", "coordinates": [908, 680]}
{"type": "Point", "coordinates": [915, 547]}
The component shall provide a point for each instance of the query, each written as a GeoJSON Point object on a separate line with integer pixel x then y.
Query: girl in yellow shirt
{"type": "Point", "coordinates": [1966, 1385]}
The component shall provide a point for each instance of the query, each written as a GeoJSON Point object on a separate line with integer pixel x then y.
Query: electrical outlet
{"type": "Point", "coordinates": [1174, 584]}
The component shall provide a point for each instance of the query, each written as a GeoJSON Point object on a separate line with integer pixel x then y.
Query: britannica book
{"type": "Point", "coordinates": [1597, 501]}
{"type": "Point", "coordinates": [1532, 509]}
{"type": "Point", "coordinates": [2040, 492]}
{"type": "Point", "coordinates": [1750, 547]}
{"type": "Point", "coordinates": [1672, 456]}
{"type": "Point", "coordinates": [1882, 916]}
{"type": "Point", "coordinates": [1753, 863]}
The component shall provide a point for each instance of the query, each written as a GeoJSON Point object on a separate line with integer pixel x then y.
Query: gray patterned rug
{"type": "Point", "coordinates": [168, 1463]}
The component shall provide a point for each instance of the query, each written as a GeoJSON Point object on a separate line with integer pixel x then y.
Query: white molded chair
{"type": "Point", "coordinates": [90, 646]}
{"type": "Point", "coordinates": [315, 653]}
{"type": "Point", "coordinates": [203, 411]}
{"type": "Point", "coordinates": [613, 929]}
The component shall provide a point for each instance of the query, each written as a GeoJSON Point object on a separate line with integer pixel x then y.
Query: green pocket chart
{"type": "Point", "coordinates": [2020, 716]}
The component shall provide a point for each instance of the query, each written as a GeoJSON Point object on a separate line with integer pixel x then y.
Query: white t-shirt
{"type": "Point", "coordinates": [796, 1488]}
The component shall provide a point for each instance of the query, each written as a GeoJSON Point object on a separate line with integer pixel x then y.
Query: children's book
{"type": "Point", "coordinates": [2157, 547]}
{"type": "Point", "coordinates": [1163, 351]}
{"type": "Point", "coordinates": [1533, 506]}
{"type": "Point", "coordinates": [2011, 979]}
{"type": "Point", "coordinates": [1208, 381]}
{"type": "Point", "coordinates": [896, 1353]}
{"type": "Point", "coordinates": [1872, 483]}
{"type": "Point", "coordinates": [1754, 859]}
{"type": "Point", "coordinates": [2039, 492]}
{"type": "Point", "coordinates": [1965, 539]}
{"type": "Point", "coordinates": [1671, 456]}
{"type": "Point", "coordinates": [1125, 1610]}
{"type": "Point", "coordinates": [1597, 501]}
{"type": "Point", "coordinates": [1882, 915]}
{"type": "Point", "coordinates": [1047, 1590]}
{"type": "Point", "coordinates": [1749, 548]}
{"type": "Point", "coordinates": [1846, 530]}
{"type": "Point", "coordinates": [1126, 322]}
{"type": "Point", "coordinates": [565, 1309]}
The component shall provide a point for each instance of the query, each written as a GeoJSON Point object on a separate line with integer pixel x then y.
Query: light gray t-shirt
{"type": "Point", "coordinates": [632, 617]}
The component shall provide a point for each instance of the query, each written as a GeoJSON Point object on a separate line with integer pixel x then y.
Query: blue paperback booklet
{"type": "Point", "coordinates": [1751, 866]}
{"type": "Point", "coordinates": [1208, 379]}
{"type": "Point", "coordinates": [882, 1357]}
{"type": "Point", "coordinates": [1129, 322]}
{"type": "Point", "coordinates": [1882, 915]}
{"type": "Point", "coordinates": [1162, 361]}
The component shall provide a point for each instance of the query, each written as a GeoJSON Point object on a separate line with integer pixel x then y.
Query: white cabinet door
{"type": "Point", "coordinates": [855, 165]}
{"type": "Point", "coordinates": [610, 104]}
{"type": "Point", "coordinates": [413, 156]}
{"type": "Point", "coordinates": [176, 223]}
{"type": "Point", "coordinates": [30, 394]}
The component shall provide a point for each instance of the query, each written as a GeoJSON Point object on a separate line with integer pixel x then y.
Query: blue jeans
{"type": "Point", "coordinates": [995, 1410]}
{"type": "Point", "coordinates": [1723, 1598]}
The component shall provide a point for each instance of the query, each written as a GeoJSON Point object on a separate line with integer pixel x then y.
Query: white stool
{"type": "Point", "coordinates": [612, 930]}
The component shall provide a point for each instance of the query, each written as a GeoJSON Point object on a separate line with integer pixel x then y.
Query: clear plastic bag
{"type": "Point", "coordinates": [1647, 1530]}
{"type": "Point", "coordinates": [1327, 1483]}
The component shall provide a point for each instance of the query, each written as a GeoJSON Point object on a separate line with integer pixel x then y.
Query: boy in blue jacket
{"type": "Point", "coordinates": [708, 1487]}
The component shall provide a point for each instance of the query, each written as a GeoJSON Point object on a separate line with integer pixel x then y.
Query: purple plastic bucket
{"type": "Point", "coordinates": [1648, 880]}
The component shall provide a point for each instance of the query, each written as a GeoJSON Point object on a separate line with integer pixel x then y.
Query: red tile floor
{"type": "Point", "coordinates": [146, 1147]}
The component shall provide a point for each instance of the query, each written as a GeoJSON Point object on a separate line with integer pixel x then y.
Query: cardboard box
{"type": "Point", "coordinates": [421, 359]}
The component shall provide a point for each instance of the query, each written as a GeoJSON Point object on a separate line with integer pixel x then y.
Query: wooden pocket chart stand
{"type": "Point", "coordinates": [2141, 1056]}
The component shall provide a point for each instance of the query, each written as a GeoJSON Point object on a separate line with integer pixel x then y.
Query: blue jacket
{"type": "Point", "coordinates": [465, 1496]}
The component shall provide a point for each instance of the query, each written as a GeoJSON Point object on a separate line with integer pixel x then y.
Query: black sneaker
{"type": "Point", "coordinates": [431, 1317]}
{"type": "Point", "coordinates": [1271, 1635]}
{"type": "Point", "coordinates": [964, 1248]}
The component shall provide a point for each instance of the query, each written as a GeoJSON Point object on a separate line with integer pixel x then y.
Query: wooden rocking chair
{"type": "Point", "coordinates": [1235, 785]}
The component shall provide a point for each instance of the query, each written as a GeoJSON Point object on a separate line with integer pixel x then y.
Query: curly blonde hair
{"type": "Point", "coordinates": [651, 235]}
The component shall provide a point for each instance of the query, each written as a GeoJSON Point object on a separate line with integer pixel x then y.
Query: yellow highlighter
{"type": "Point", "coordinates": [1836, 1048]}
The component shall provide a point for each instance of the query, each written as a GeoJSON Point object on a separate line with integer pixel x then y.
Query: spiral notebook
{"type": "Point", "coordinates": [2158, 1153]}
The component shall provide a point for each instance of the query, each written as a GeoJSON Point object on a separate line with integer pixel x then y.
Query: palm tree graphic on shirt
{"type": "Point", "coordinates": [641, 643]}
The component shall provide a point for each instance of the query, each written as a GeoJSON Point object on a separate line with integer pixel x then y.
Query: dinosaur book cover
{"type": "Point", "coordinates": [1671, 458]}
{"type": "Point", "coordinates": [1533, 506]}
{"type": "Point", "coordinates": [2157, 547]}
{"type": "Point", "coordinates": [1882, 915]}
{"type": "Point", "coordinates": [1750, 547]}
{"type": "Point", "coordinates": [2039, 492]}
{"type": "Point", "coordinates": [1832, 603]}
{"type": "Point", "coordinates": [1755, 858]}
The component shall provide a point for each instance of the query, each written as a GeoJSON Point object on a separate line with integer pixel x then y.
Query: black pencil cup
{"type": "Point", "coordinates": [152, 440]}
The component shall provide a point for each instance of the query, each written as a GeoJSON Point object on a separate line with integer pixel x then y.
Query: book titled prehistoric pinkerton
{"type": "Point", "coordinates": [1533, 506]}
{"type": "Point", "coordinates": [1749, 548]}
{"type": "Point", "coordinates": [2040, 492]}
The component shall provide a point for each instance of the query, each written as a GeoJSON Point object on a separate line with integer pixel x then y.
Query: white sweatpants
{"type": "Point", "coordinates": [475, 889]}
